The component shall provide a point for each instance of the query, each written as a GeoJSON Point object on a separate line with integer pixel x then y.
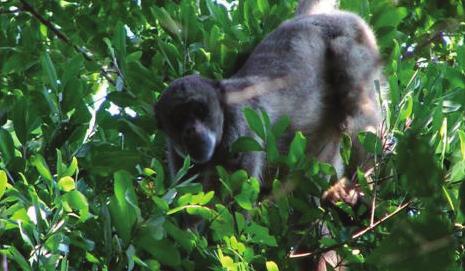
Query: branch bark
{"type": "Point", "coordinates": [354, 236]}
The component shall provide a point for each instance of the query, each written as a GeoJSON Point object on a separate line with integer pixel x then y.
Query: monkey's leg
{"type": "Point", "coordinates": [253, 163]}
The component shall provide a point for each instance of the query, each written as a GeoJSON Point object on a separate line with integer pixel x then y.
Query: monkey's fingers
{"type": "Point", "coordinates": [342, 191]}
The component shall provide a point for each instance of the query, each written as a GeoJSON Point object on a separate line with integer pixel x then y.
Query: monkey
{"type": "Point", "coordinates": [317, 68]}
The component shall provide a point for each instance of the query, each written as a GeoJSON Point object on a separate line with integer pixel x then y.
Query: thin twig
{"type": "Point", "coordinates": [354, 237]}
{"type": "Point", "coordinates": [29, 8]}
{"type": "Point", "coordinates": [372, 227]}
{"type": "Point", "coordinates": [373, 204]}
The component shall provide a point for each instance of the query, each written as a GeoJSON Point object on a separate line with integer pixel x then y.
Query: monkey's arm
{"type": "Point", "coordinates": [174, 160]}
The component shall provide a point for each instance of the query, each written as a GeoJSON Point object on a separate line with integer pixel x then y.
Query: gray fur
{"type": "Point", "coordinates": [317, 68]}
{"type": "Point", "coordinates": [308, 7]}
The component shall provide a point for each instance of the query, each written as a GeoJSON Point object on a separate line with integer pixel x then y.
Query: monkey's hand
{"type": "Point", "coordinates": [343, 190]}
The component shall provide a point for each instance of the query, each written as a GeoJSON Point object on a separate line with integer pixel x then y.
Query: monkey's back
{"type": "Point", "coordinates": [289, 73]}
{"type": "Point", "coordinates": [293, 59]}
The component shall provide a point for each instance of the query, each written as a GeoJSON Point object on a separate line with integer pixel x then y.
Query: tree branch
{"type": "Point", "coordinates": [29, 8]}
{"type": "Point", "coordinates": [354, 236]}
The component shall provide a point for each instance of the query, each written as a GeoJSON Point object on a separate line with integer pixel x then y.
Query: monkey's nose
{"type": "Point", "coordinates": [190, 131]}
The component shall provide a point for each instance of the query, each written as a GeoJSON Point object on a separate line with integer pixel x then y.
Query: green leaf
{"type": "Point", "coordinates": [223, 224]}
{"type": "Point", "coordinates": [249, 194]}
{"type": "Point", "coordinates": [420, 173]}
{"type": "Point", "coordinates": [427, 239]}
{"type": "Point", "coordinates": [123, 205]}
{"type": "Point", "coordinates": [73, 167]}
{"type": "Point", "coordinates": [462, 143]}
{"type": "Point", "coordinates": [159, 175]}
{"type": "Point", "coordinates": [271, 266]}
{"type": "Point", "coordinates": [3, 182]}
{"type": "Point", "coordinates": [76, 200]}
{"type": "Point", "coordinates": [391, 17]}
{"type": "Point", "coordinates": [152, 228]}
{"type": "Point", "coordinates": [66, 184]}
{"type": "Point", "coordinates": [40, 164]}
{"type": "Point", "coordinates": [263, 6]}
{"type": "Point", "coordinates": [12, 253]}
{"type": "Point", "coordinates": [346, 146]}
{"type": "Point", "coordinates": [119, 42]}
{"type": "Point", "coordinates": [7, 147]}
{"type": "Point", "coordinates": [255, 122]}
{"type": "Point", "coordinates": [25, 119]}
{"type": "Point", "coordinates": [202, 198]}
{"type": "Point", "coordinates": [49, 70]}
{"type": "Point", "coordinates": [406, 108]}
{"type": "Point", "coordinates": [272, 152]}
{"type": "Point", "coordinates": [59, 165]}
{"type": "Point", "coordinates": [72, 95]}
{"type": "Point", "coordinates": [371, 142]}
{"type": "Point", "coordinates": [462, 198]}
{"type": "Point", "coordinates": [458, 171]}
{"type": "Point", "coordinates": [297, 149]}
{"type": "Point", "coordinates": [166, 21]}
{"type": "Point", "coordinates": [245, 144]}
{"type": "Point", "coordinates": [184, 169]}
{"type": "Point", "coordinates": [260, 235]}
{"type": "Point", "coordinates": [185, 238]}
{"type": "Point", "coordinates": [201, 211]}
{"type": "Point", "coordinates": [73, 67]}
{"type": "Point", "coordinates": [280, 126]}
{"type": "Point", "coordinates": [214, 39]}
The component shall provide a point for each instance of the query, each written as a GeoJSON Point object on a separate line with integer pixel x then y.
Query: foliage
{"type": "Point", "coordinates": [82, 176]}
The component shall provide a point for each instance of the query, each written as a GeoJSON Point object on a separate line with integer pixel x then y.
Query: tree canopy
{"type": "Point", "coordinates": [83, 179]}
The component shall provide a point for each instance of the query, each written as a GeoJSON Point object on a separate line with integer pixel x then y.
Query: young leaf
{"type": "Point", "coordinates": [123, 205]}
{"type": "Point", "coordinates": [462, 143]}
{"type": "Point", "coordinates": [346, 146]}
{"type": "Point", "coordinates": [245, 144]}
{"type": "Point", "coordinates": [260, 235]}
{"type": "Point", "coordinates": [3, 182]}
{"type": "Point", "coordinates": [249, 194]}
{"type": "Point", "coordinates": [406, 108]}
{"type": "Point", "coordinates": [297, 149]}
{"type": "Point", "coordinates": [271, 266]}
{"type": "Point", "coordinates": [280, 126]}
{"type": "Point", "coordinates": [119, 41]}
{"type": "Point", "coordinates": [49, 70]}
{"type": "Point", "coordinates": [255, 122]}
{"type": "Point", "coordinates": [39, 163]}
{"type": "Point", "coordinates": [371, 142]}
{"type": "Point", "coordinates": [66, 184]}
{"type": "Point", "coordinates": [76, 200]}
{"type": "Point", "coordinates": [73, 167]}
{"type": "Point", "coordinates": [7, 147]}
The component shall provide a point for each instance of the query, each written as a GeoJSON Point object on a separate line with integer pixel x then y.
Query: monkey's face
{"type": "Point", "coordinates": [190, 114]}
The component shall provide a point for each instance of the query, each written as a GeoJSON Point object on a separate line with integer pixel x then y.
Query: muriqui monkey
{"type": "Point", "coordinates": [318, 68]}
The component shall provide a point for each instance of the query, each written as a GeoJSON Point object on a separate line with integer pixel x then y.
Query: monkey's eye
{"type": "Point", "coordinates": [178, 118]}
{"type": "Point", "coordinates": [199, 110]}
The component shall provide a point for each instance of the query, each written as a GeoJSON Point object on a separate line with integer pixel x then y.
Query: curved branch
{"type": "Point", "coordinates": [354, 236]}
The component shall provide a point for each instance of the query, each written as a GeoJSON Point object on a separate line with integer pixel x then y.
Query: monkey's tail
{"type": "Point", "coordinates": [309, 7]}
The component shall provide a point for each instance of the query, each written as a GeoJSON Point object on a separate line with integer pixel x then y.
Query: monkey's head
{"type": "Point", "coordinates": [190, 113]}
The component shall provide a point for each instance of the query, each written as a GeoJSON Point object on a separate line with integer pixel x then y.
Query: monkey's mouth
{"type": "Point", "coordinates": [201, 147]}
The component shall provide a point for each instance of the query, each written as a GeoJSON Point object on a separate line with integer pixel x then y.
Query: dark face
{"type": "Point", "coordinates": [190, 114]}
